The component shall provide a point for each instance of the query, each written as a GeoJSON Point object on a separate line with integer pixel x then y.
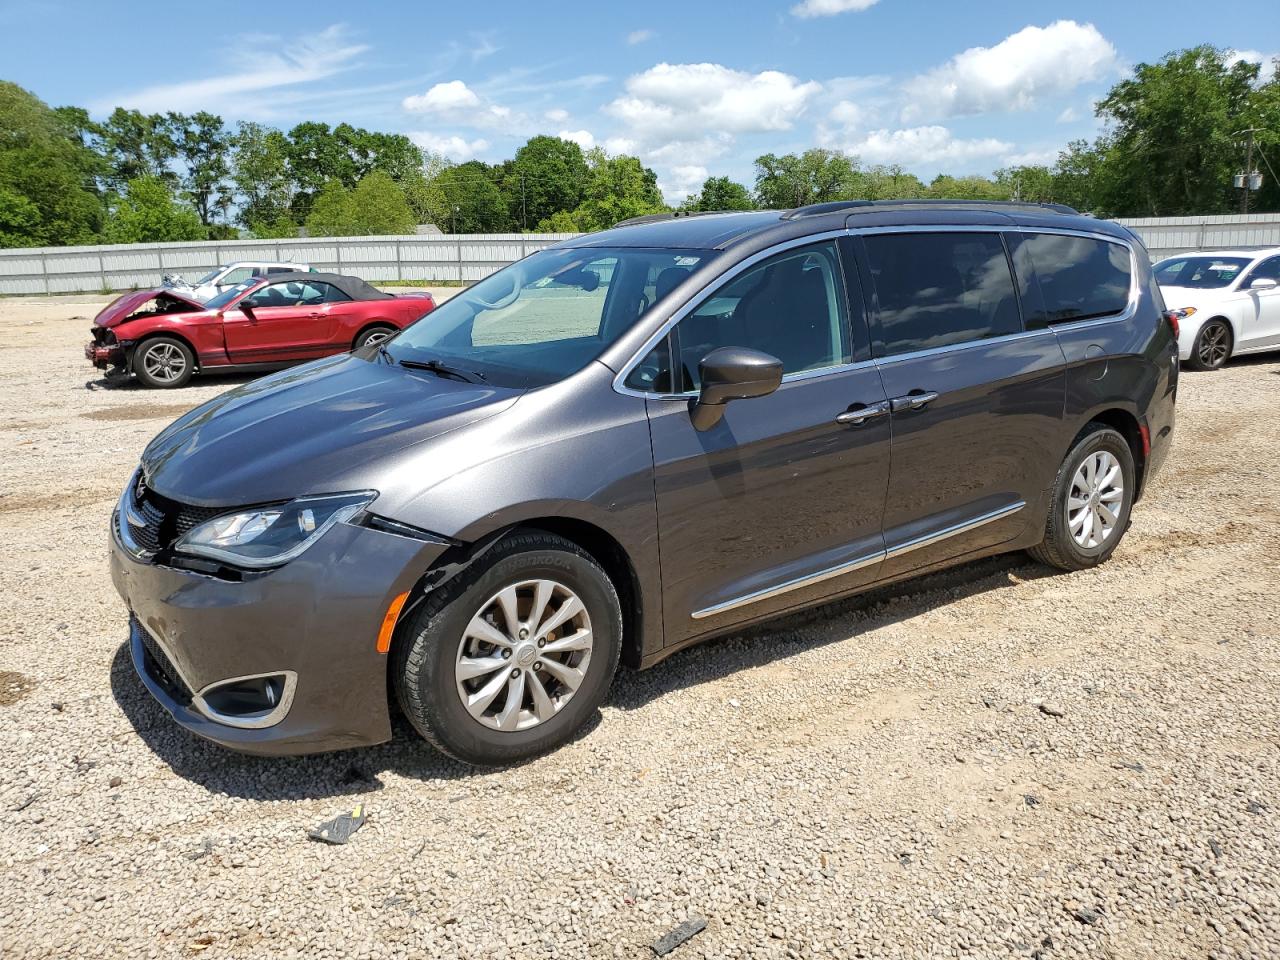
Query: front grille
{"type": "Point", "coordinates": [160, 669]}
{"type": "Point", "coordinates": [102, 336]}
{"type": "Point", "coordinates": [165, 520]}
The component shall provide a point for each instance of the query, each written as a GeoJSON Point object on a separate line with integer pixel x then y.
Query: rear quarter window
{"type": "Point", "coordinates": [1080, 278]}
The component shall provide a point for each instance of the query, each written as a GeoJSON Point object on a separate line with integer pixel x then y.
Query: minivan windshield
{"type": "Point", "coordinates": [1201, 272]}
{"type": "Point", "coordinates": [546, 316]}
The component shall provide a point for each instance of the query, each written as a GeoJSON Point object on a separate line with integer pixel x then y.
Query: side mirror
{"type": "Point", "coordinates": [1262, 283]}
{"type": "Point", "coordinates": [732, 373]}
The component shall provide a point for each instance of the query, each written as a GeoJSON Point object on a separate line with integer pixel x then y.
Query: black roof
{"type": "Point", "coordinates": [353, 287]}
{"type": "Point", "coordinates": [759, 228]}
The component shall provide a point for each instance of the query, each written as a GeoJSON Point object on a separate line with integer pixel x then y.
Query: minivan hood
{"type": "Point", "coordinates": [319, 428]}
{"type": "Point", "coordinates": [167, 301]}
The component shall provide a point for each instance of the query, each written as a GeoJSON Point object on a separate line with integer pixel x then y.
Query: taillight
{"type": "Point", "coordinates": [1172, 317]}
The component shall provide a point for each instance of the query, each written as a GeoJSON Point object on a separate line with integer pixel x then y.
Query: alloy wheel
{"type": "Point", "coordinates": [376, 336]}
{"type": "Point", "coordinates": [524, 655]}
{"type": "Point", "coordinates": [1214, 344]}
{"type": "Point", "coordinates": [164, 362]}
{"type": "Point", "coordinates": [1096, 500]}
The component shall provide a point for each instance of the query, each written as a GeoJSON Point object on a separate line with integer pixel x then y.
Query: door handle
{"type": "Point", "coordinates": [864, 413]}
{"type": "Point", "coordinates": [913, 401]}
{"type": "Point", "coordinates": [314, 316]}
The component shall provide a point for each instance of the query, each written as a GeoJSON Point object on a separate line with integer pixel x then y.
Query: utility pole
{"type": "Point", "coordinates": [1248, 171]}
{"type": "Point", "coordinates": [524, 226]}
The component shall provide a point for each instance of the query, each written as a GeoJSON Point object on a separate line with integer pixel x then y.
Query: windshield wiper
{"type": "Point", "coordinates": [443, 369]}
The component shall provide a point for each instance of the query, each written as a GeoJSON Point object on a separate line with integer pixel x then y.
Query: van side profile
{"type": "Point", "coordinates": [631, 442]}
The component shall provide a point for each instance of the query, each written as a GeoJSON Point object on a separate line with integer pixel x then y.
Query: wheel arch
{"type": "Point", "coordinates": [1127, 424]}
{"type": "Point", "coordinates": [374, 324]}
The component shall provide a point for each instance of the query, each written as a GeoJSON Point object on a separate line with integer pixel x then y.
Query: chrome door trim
{"type": "Point", "coordinates": [929, 539]}
{"type": "Point", "coordinates": [836, 571]}
{"type": "Point", "coordinates": [713, 284]}
{"type": "Point", "coordinates": [788, 586]}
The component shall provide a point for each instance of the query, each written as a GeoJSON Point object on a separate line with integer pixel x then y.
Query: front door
{"type": "Point", "coordinates": [977, 403]}
{"type": "Point", "coordinates": [780, 503]}
{"type": "Point", "coordinates": [1261, 327]}
{"type": "Point", "coordinates": [280, 322]}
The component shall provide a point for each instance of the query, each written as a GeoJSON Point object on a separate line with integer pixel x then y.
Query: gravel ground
{"type": "Point", "coordinates": [994, 761]}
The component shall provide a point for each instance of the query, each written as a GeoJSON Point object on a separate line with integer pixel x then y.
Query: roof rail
{"type": "Point", "coordinates": [673, 215]}
{"type": "Point", "coordinates": [869, 206]}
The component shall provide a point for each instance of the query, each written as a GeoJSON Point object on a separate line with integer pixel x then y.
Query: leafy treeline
{"type": "Point", "coordinates": [1172, 140]}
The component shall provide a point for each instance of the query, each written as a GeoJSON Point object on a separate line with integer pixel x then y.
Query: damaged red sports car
{"type": "Point", "coordinates": [163, 338]}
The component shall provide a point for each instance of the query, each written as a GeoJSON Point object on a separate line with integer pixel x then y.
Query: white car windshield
{"type": "Point", "coordinates": [1205, 273]}
{"type": "Point", "coordinates": [208, 277]}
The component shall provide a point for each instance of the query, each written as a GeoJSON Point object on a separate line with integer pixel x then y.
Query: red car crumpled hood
{"type": "Point", "coordinates": [129, 303]}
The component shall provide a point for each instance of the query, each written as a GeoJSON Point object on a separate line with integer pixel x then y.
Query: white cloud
{"type": "Point", "coordinates": [262, 62]}
{"type": "Point", "coordinates": [454, 147]}
{"type": "Point", "coordinates": [1032, 158]}
{"type": "Point", "coordinates": [1015, 74]}
{"type": "Point", "coordinates": [1069, 115]}
{"type": "Point", "coordinates": [848, 114]}
{"type": "Point", "coordinates": [557, 115]}
{"type": "Point", "coordinates": [640, 36]}
{"type": "Point", "coordinates": [829, 8]}
{"type": "Point", "coordinates": [454, 101]}
{"type": "Point", "coordinates": [924, 146]}
{"type": "Point", "coordinates": [582, 138]}
{"type": "Point", "coordinates": [619, 145]}
{"type": "Point", "coordinates": [674, 101]}
{"type": "Point", "coordinates": [685, 179]}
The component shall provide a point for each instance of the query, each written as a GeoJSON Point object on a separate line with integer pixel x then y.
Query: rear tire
{"type": "Point", "coordinates": [163, 363]}
{"type": "Point", "coordinates": [442, 667]}
{"type": "Point", "coordinates": [1089, 511]}
{"type": "Point", "coordinates": [1212, 347]}
{"type": "Point", "coordinates": [373, 335]}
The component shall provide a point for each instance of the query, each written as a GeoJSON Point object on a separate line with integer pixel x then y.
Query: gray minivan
{"type": "Point", "coordinates": [630, 442]}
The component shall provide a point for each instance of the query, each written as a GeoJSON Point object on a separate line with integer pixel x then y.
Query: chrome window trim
{"type": "Point", "coordinates": [256, 721]}
{"type": "Point", "coordinates": [705, 294]}
{"type": "Point", "coordinates": [927, 540]}
{"type": "Point", "coordinates": [1130, 310]}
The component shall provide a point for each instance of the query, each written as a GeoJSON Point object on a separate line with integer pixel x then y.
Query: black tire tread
{"type": "Point", "coordinates": [412, 668]}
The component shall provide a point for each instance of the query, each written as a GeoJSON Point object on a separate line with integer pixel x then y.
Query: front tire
{"type": "Point", "coordinates": [163, 363]}
{"type": "Point", "coordinates": [1092, 497]}
{"type": "Point", "coordinates": [511, 658]}
{"type": "Point", "coordinates": [373, 335]}
{"type": "Point", "coordinates": [1212, 347]}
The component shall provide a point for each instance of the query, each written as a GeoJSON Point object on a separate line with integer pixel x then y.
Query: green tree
{"type": "Point", "coordinates": [379, 207]}
{"type": "Point", "coordinates": [48, 194]}
{"type": "Point", "coordinates": [546, 175]}
{"type": "Point", "coordinates": [148, 213]}
{"type": "Point", "coordinates": [473, 202]}
{"type": "Point", "coordinates": [719, 193]}
{"type": "Point", "coordinates": [136, 145]}
{"type": "Point", "coordinates": [1079, 177]}
{"type": "Point", "coordinates": [815, 176]}
{"type": "Point", "coordinates": [331, 213]}
{"type": "Point", "coordinates": [1173, 143]}
{"type": "Point", "coordinates": [1031, 183]}
{"type": "Point", "coordinates": [260, 171]}
{"type": "Point", "coordinates": [944, 187]}
{"type": "Point", "coordinates": [203, 145]}
{"type": "Point", "coordinates": [425, 193]}
{"type": "Point", "coordinates": [618, 188]}
{"type": "Point", "coordinates": [890, 182]}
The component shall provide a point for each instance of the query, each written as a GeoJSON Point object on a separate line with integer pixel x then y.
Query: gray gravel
{"type": "Point", "coordinates": [995, 761]}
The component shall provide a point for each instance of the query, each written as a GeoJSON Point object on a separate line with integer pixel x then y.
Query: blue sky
{"type": "Point", "coordinates": [691, 87]}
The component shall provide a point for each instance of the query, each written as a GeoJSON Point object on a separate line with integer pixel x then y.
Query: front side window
{"type": "Point", "coordinates": [938, 289]}
{"type": "Point", "coordinates": [1203, 273]}
{"type": "Point", "coordinates": [1266, 270]}
{"type": "Point", "coordinates": [791, 306]}
{"type": "Point", "coordinates": [290, 295]}
{"type": "Point", "coordinates": [548, 315]}
{"type": "Point", "coordinates": [1080, 278]}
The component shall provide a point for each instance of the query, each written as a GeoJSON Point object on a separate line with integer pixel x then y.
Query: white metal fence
{"type": "Point", "coordinates": [1165, 236]}
{"type": "Point", "coordinates": [451, 257]}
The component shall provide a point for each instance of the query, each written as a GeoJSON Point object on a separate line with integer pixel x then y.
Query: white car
{"type": "Point", "coordinates": [1227, 303]}
{"type": "Point", "coordinates": [224, 278]}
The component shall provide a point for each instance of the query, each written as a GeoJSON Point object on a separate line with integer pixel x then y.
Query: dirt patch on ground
{"type": "Point", "coordinates": [14, 687]}
{"type": "Point", "coordinates": [140, 411]}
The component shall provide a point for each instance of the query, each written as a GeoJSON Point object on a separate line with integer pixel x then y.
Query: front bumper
{"type": "Point", "coordinates": [316, 618]}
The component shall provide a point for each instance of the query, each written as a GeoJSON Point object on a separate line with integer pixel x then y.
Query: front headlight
{"type": "Point", "coordinates": [270, 536]}
{"type": "Point", "coordinates": [1184, 312]}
